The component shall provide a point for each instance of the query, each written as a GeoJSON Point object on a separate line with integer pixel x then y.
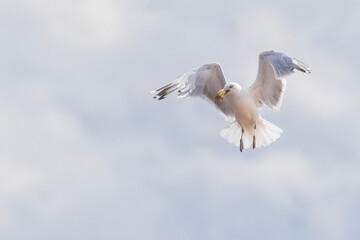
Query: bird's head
{"type": "Point", "coordinates": [228, 89]}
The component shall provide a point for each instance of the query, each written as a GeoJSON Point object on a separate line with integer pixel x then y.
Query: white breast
{"type": "Point", "coordinates": [245, 109]}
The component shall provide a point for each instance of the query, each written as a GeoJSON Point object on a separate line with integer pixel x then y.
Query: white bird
{"type": "Point", "coordinates": [241, 106]}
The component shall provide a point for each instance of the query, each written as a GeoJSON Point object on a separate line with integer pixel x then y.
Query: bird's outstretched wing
{"type": "Point", "coordinates": [269, 86]}
{"type": "Point", "coordinates": [204, 82]}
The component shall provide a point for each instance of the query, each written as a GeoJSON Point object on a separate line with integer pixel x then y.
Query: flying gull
{"type": "Point", "coordinates": [240, 106]}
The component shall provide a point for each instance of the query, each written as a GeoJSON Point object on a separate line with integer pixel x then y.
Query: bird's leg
{"type": "Point", "coordinates": [254, 139]}
{"type": "Point", "coordinates": [241, 140]}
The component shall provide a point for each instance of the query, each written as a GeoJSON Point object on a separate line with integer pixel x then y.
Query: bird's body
{"type": "Point", "coordinates": [241, 106]}
{"type": "Point", "coordinates": [245, 109]}
{"type": "Point", "coordinates": [248, 122]}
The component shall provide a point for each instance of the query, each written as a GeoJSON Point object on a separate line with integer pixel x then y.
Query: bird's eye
{"type": "Point", "coordinates": [230, 86]}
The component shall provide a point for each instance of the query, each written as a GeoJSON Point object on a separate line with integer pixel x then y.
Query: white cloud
{"type": "Point", "coordinates": [285, 181]}
{"type": "Point", "coordinates": [214, 184]}
{"type": "Point", "coordinates": [324, 92]}
{"type": "Point", "coordinates": [82, 26]}
{"type": "Point", "coordinates": [265, 30]}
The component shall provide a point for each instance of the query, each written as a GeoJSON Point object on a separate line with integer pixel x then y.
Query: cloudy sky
{"type": "Point", "coordinates": [86, 153]}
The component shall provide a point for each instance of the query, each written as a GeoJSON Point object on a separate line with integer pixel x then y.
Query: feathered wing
{"type": "Point", "coordinates": [204, 82]}
{"type": "Point", "coordinates": [270, 84]}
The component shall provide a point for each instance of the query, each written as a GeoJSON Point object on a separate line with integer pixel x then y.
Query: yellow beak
{"type": "Point", "coordinates": [221, 94]}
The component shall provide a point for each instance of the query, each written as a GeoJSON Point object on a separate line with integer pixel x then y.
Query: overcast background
{"type": "Point", "coordinates": [86, 153]}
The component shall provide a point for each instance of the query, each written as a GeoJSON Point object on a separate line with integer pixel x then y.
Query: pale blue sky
{"type": "Point", "coordinates": [86, 153]}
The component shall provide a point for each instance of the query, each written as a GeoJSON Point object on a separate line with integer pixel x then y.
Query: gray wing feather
{"type": "Point", "coordinates": [270, 84]}
{"type": "Point", "coordinates": [202, 82]}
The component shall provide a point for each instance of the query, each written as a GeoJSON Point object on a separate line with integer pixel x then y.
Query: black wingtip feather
{"type": "Point", "coordinates": [298, 65]}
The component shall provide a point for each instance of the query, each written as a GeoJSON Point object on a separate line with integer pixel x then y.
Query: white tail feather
{"type": "Point", "coordinates": [265, 133]}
